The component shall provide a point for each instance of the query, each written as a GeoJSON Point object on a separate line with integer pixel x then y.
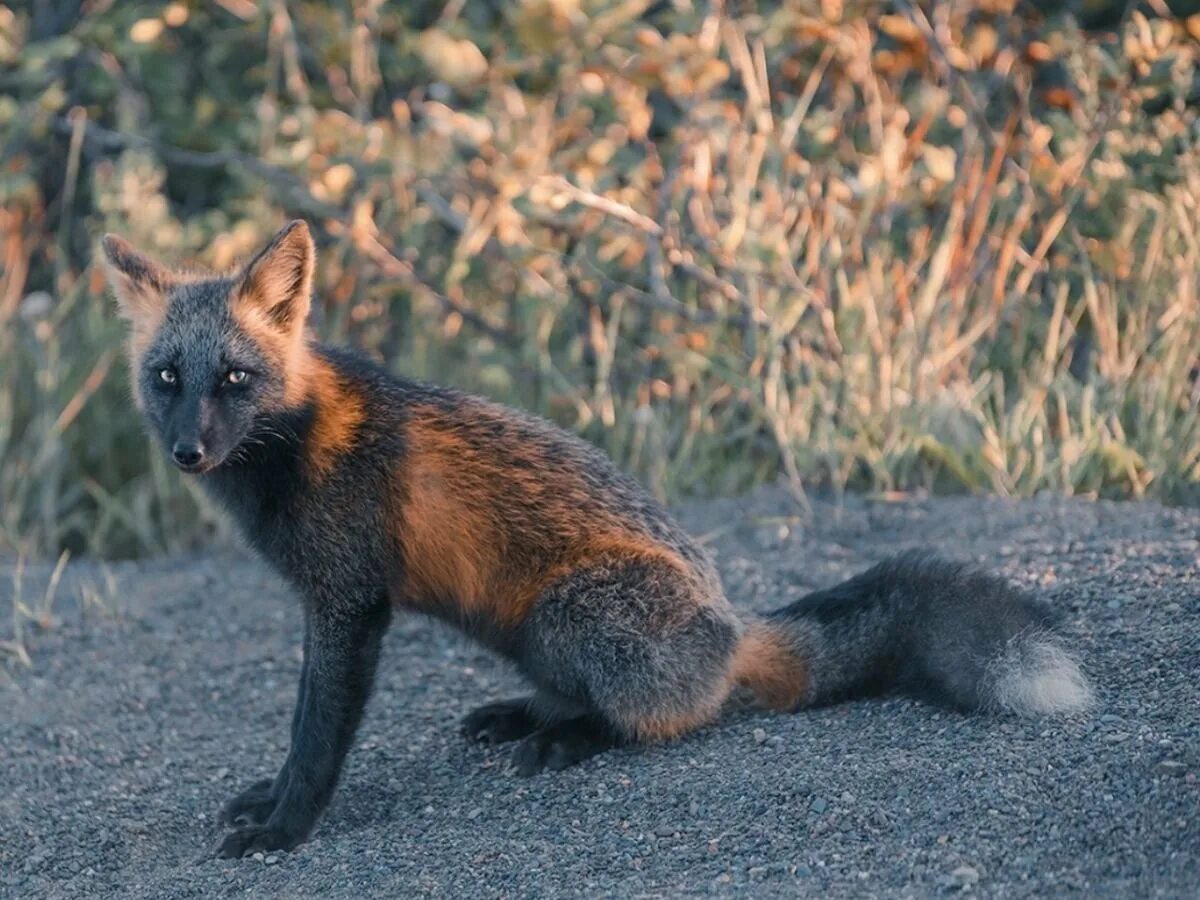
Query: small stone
{"type": "Point", "coordinates": [271, 860]}
{"type": "Point", "coordinates": [965, 876]}
{"type": "Point", "coordinates": [475, 813]}
{"type": "Point", "coordinates": [257, 857]}
{"type": "Point", "coordinates": [1170, 767]}
{"type": "Point", "coordinates": [665, 830]}
{"type": "Point", "coordinates": [819, 805]}
{"type": "Point", "coordinates": [760, 735]}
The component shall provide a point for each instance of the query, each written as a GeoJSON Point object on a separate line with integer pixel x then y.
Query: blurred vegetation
{"type": "Point", "coordinates": [883, 246]}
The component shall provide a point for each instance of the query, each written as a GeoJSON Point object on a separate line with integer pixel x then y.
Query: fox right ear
{"type": "Point", "coordinates": [278, 282]}
{"type": "Point", "coordinates": [139, 283]}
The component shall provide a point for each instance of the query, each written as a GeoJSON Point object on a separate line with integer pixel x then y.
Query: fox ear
{"type": "Point", "coordinates": [278, 282]}
{"type": "Point", "coordinates": [140, 284]}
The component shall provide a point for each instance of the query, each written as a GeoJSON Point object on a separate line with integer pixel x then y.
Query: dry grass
{"type": "Point", "coordinates": [947, 247]}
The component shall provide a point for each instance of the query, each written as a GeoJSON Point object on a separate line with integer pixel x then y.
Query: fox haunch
{"type": "Point", "coordinates": [371, 493]}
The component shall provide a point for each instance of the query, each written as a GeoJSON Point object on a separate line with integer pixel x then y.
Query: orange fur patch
{"type": "Point", "coordinates": [765, 662]}
{"type": "Point", "coordinates": [337, 414]}
{"type": "Point", "coordinates": [337, 409]}
{"type": "Point", "coordinates": [450, 546]}
{"type": "Point", "coordinates": [279, 280]}
{"type": "Point", "coordinates": [468, 552]}
{"type": "Point", "coordinates": [669, 727]}
{"type": "Point", "coordinates": [270, 303]}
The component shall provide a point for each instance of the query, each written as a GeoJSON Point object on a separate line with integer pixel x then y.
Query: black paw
{"type": "Point", "coordinates": [252, 806]}
{"type": "Point", "coordinates": [498, 723]}
{"type": "Point", "coordinates": [558, 746]}
{"type": "Point", "coordinates": [257, 839]}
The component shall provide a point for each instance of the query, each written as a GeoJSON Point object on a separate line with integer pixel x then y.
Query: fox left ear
{"type": "Point", "coordinates": [278, 282]}
{"type": "Point", "coordinates": [139, 283]}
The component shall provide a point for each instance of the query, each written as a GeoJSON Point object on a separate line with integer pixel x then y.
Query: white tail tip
{"type": "Point", "coordinates": [1039, 677]}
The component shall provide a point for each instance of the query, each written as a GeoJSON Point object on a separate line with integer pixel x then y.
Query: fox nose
{"type": "Point", "coordinates": [187, 453]}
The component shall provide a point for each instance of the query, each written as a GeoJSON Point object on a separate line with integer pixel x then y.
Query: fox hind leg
{"type": "Point", "coordinates": [641, 646]}
{"type": "Point", "coordinates": [499, 723]}
{"type": "Point", "coordinates": [562, 744]}
{"type": "Point", "coordinates": [511, 720]}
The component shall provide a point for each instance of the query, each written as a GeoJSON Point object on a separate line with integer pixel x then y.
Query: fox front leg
{"type": "Point", "coordinates": [254, 805]}
{"type": "Point", "coordinates": [340, 656]}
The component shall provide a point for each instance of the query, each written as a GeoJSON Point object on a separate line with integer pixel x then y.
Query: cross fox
{"type": "Point", "coordinates": [369, 493]}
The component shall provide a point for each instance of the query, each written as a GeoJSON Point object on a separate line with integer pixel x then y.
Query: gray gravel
{"type": "Point", "coordinates": [119, 744]}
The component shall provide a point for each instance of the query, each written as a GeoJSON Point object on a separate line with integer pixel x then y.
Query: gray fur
{"type": "Point", "coordinates": [934, 628]}
{"type": "Point", "coordinates": [200, 342]}
{"type": "Point", "coordinates": [629, 642]}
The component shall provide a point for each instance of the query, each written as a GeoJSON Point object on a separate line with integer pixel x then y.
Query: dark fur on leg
{"type": "Point", "coordinates": [254, 805]}
{"type": "Point", "coordinates": [562, 744]}
{"type": "Point", "coordinates": [499, 723]}
{"type": "Point", "coordinates": [342, 653]}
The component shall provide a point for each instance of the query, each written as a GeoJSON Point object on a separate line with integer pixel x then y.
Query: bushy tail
{"type": "Point", "coordinates": [918, 624]}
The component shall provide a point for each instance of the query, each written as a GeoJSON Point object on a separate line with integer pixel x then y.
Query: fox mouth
{"type": "Point", "coordinates": [199, 468]}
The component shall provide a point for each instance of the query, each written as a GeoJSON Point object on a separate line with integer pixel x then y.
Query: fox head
{"type": "Point", "coordinates": [211, 356]}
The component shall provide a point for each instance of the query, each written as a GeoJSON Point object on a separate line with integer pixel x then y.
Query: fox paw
{"type": "Point", "coordinates": [252, 806]}
{"type": "Point", "coordinates": [499, 723]}
{"type": "Point", "coordinates": [257, 839]}
{"type": "Point", "coordinates": [558, 746]}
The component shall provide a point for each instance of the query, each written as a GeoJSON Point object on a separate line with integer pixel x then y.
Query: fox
{"type": "Point", "coordinates": [371, 493]}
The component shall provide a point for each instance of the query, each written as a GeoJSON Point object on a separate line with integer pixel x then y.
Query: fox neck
{"type": "Point", "coordinates": [264, 473]}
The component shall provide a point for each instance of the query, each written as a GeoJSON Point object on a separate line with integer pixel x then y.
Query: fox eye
{"type": "Point", "coordinates": [236, 376]}
{"type": "Point", "coordinates": [167, 376]}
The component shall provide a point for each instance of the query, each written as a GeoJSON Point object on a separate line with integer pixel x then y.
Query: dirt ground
{"type": "Point", "coordinates": [142, 713]}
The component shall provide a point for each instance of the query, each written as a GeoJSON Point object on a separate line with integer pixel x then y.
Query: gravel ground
{"type": "Point", "coordinates": [119, 744]}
